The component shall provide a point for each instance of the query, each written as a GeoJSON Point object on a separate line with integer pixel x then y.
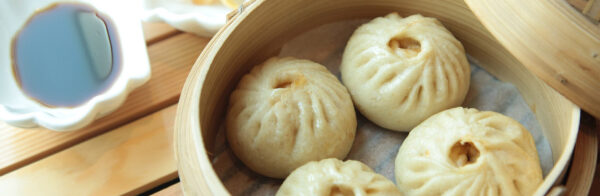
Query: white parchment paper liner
{"type": "Point", "coordinates": [373, 145]}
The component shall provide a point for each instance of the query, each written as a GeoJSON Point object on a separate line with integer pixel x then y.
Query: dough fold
{"type": "Point", "coordinates": [399, 71]}
{"type": "Point", "coordinates": [287, 112]}
{"type": "Point", "coordinates": [334, 177]}
{"type": "Point", "coordinates": [468, 152]}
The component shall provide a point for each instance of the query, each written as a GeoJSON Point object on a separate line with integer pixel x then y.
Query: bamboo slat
{"type": "Point", "coordinates": [171, 60]}
{"type": "Point", "coordinates": [127, 160]}
{"type": "Point", "coordinates": [584, 158]}
{"type": "Point", "coordinates": [552, 40]}
{"type": "Point", "coordinates": [595, 189]}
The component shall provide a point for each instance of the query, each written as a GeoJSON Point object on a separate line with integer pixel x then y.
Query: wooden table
{"type": "Point", "coordinates": [127, 152]}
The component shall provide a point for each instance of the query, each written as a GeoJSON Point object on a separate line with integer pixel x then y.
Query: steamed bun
{"type": "Point", "coordinates": [334, 177]}
{"type": "Point", "coordinates": [287, 112]}
{"type": "Point", "coordinates": [468, 152]}
{"type": "Point", "coordinates": [399, 71]}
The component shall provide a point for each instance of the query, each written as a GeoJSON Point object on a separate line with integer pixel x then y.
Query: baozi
{"type": "Point", "coordinates": [334, 177]}
{"type": "Point", "coordinates": [287, 112]}
{"type": "Point", "coordinates": [468, 152]}
{"type": "Point", "coordinates": [400, 71]}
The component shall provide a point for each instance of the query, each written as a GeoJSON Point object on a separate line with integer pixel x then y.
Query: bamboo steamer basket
{"type": "Point", "coordinates": [258, 29]}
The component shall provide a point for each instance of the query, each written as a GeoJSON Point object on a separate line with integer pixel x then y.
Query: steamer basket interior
{"type": "Point", "coordinates": [259, 32]}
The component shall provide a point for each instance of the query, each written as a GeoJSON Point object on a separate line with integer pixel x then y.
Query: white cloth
{"type": "Point", "coordinates": [203, 20]}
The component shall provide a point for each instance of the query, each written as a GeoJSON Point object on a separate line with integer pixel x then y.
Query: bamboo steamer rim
{"type": "Point", "coordinates": [553, 40]}
{"type": "Point", "coordinates": [196, 172]}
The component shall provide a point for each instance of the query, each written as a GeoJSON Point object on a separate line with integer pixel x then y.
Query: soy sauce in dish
{"type": "Point", "coordinates": [66, 54]}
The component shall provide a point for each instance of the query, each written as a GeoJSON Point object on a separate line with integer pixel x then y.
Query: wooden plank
{"type": "Point", "coordinates": [173, 190]}
{"type": "Point", "coordinates": [171, 61]}
{"type": "Point", "coordinates": [127, 160]}
{"type": "Point", "coordinates": [154, 32]}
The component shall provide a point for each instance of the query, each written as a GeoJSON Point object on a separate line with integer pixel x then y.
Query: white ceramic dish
{"type": "Point", "coordinates": [18, 109]}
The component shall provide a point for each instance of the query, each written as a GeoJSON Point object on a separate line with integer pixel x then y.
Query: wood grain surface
{"type": "Point", "coordinates": [553, 40]}
{"type": "Point", "coordinates": [154, 32]}
{"type": "Point", "coordinates": [173, 190]}
{"type": "Point", "coordinates": [595, 189]}
{"type": "Point", "coordinates": [170, 59]}
{"type": "Point", "coordinates": [127, 160]}
{"type": "Point", "coordinates": [578, 4]}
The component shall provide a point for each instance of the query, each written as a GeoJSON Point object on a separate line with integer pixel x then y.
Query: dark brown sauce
{"type": "Point", "coordinates": [66, 54]}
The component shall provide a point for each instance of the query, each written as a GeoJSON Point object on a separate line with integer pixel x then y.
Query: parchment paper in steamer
{"type": "Point", "coordinates": [373, 145]}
